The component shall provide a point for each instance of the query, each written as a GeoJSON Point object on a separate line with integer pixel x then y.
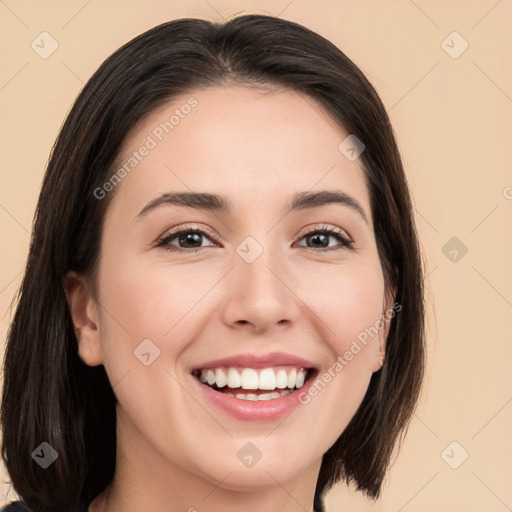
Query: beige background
{"type": "Point", "coordinates": [452, 118]}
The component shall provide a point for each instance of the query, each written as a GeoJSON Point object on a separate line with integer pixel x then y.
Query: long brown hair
{"type": "Point", "coordinates": [49, 394]}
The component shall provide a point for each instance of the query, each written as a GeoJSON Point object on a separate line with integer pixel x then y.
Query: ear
{"type": "Point", "coordinates": [389, 310]}
{"type": "Point", "coordinates": [84, 313]}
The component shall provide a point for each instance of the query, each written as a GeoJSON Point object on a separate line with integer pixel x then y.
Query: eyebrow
{"type": "Point", "coordinates": [214, 202]}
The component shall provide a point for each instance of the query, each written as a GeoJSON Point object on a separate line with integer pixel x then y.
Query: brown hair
{"type": "Point", "coordinates": [49, 394]}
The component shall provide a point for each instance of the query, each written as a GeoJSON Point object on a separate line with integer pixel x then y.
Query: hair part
{"type": "Point", "coordinates": [49, 394]}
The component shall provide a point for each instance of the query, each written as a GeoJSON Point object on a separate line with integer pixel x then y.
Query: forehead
{"type": "Point", "coordinates": [238, 141]}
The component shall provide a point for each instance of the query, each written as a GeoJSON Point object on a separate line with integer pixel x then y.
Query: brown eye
{"type": "Point", "coordinates": [188, 240]}
{"type": "Point", "coordinates": [320, 239]}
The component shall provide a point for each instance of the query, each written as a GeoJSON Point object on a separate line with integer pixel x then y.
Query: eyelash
{"type": "Point", "coordinates": [346, 243]}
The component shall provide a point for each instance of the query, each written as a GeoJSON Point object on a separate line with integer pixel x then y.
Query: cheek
{"type": "Point", "coordinates": [146, 310]}
{"type": "Point", "coordinates": [151, 301]}
{"type": "Point", "coordinates": [347, 303]}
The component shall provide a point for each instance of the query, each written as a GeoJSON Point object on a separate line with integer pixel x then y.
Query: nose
{"type": "Point", "coordinates": [260, 296]}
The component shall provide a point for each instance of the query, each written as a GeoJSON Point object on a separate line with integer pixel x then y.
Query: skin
{"type": "Point", "coordinates": [177, 451]}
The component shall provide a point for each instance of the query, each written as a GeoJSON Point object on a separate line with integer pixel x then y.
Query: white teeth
{"type": "Point", "coordinates": [249, 379]}
{"type": "Point", "coordinates": [292, 377]}
{"type": "Point", "coordinates": [268, 379]}
{"type": "Point", "coordinates": [264, 396]}
{"type": "Point", "coordinates": [220, 378]}
{"type": "Point", "coordinates": [210, 377]}
{"type": "Point", "coordinates": [234, 380]}
{"type": "Point", "coordinates": [301, 377]}
{"type": "Point", "coordinates": [281, 379]}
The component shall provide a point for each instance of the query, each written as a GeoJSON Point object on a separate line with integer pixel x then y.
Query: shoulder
{"type": "Point", "coordinates": [15, 506]}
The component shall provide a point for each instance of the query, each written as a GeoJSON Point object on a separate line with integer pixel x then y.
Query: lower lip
{"type": "Point", "coordinates": [261, 410]}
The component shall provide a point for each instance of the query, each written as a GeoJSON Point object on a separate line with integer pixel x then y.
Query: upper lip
{"type": "Point", "coordinates": [257, 361]}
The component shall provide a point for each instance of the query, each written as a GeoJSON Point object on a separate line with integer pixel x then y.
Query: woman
{"type": "Point", "coordinates": [278, 353]}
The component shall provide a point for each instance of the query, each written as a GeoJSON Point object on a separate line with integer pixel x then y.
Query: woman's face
{"type": "Point", "coordinates": [253, 301]}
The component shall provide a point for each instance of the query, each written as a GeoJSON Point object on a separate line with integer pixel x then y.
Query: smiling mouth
{"type": "Point", "coordinates": [254, 384]}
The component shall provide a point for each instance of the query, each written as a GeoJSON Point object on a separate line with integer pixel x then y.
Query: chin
{"type": "Point", "coordinates": [250, 467]}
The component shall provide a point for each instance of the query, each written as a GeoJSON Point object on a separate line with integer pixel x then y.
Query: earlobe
{"type": "Point", "coordinates": [84, 314]}
{"type": "Point", "coordinates": [379, 355]}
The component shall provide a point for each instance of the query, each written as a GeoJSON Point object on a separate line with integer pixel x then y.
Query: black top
{"type": "Point", "coordinates": [19, 506]}
{"type": "Point", "coordinates": [16, 506]}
